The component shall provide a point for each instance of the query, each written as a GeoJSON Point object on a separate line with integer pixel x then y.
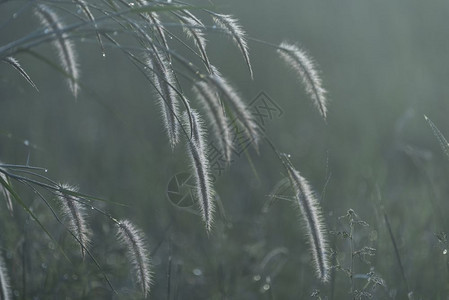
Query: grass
{"type": "Point", "coordinates": [112, 95]}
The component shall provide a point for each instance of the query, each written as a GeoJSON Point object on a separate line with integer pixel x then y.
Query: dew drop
{"type": "Point", "coordinates": [256, 277]}
{"type": "Point", "coordinates": [445, 251]}
{"type": "Point", "coordinates": [104, 54]}
{"type": "Point", "coordinates": [14, 15]}
{"type": "Point", "coordinates": [197, 272]}
{"type": "Point", "coordinates": [131, 4]}
{"type": "Point", "coordinates": [92, 208]}
{"type": "Point", "coordinates": [26, 142]}
{"type": "Point", "coordinates": [45, 170]}
{"type": "Point", "coordinates": [266, 287]}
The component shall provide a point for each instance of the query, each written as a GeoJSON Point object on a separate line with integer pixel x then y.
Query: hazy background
{"type": "Point", "coordinates": [384, 63]}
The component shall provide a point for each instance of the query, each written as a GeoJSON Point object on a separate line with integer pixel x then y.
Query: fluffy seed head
{"type": "Point", "coordinates": [165, 83]}
{"type": "Point", "coordinates": [6, 194]}
{"type": "Point", "coordinates": [441, 139]}
{"type": "Point", "coordinates": [194, 30]}
{"type": "Point", "coordinates": [16, 65]}
{"type": "Point", "coordinates": [133, 239]}
{"type": "Point", "coordinates": [74, 212]}
{"type": "Point", "coordinates": [239, 107]}
{"type": "Point", "coordinates": [200, 165]}
{"type": "Point", "coordinates": [5, 288]}
{"type": "Point", "coordinates": [211, 103]}
{"type": "Point", "coordinates": [299, 61]}
{"type": "Point", "coordinates": [230, 25]}
{"type": "Point", "coordinates": [314, 224]}
{"type": "Point", "coordinates": [64, 47]}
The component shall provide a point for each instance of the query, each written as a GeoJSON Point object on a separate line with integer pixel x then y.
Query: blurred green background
{"type": "Point", "coordinates": [384, 63]}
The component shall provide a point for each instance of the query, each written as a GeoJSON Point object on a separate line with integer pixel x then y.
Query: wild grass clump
{"type": "Point", "coordinates": [144, 32]}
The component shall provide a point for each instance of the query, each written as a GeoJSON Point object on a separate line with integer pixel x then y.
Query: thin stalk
{"type": "Point", "coordinates": [351, 242]}
{"type": "Point", "coordinates": [7, 49]}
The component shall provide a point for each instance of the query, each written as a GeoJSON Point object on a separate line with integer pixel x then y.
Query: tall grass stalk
{"type": "Point", "coordinates": [307, 71]}
{"type": "Point", "coordinates": [200, 165]}
{"type": "Point", "coordinates": [313, 220]}
{"type": "Point", "coordinates": [131, 237]}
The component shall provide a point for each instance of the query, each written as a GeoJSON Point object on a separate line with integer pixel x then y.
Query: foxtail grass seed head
{"type": "Point", "coordinates": [4, 281]}
{"type": "Point", "coordinates": [16, 65]}
{"type": "Point", "coordinates": [194, 29]}
{"type": "Point", "coordinates": [211, 103]}
{"type": "Point", "coordinates": [231, 26]}
{"type": "Point", "coordinates": [165, 83]}
{"type": "Point", "coordinates": [313, 221]}
{"type": "Point", "coordinates": [440, 137]}
{"type": "Point", "coordinates": [7, 195]}
{"type": "Point", "coordinates": [134, 240]}
{"type": "Point", "coordinates": [304, 66]}
{"type": "Point", "coordinates": [238, 106]}
{"type": "Point", "coordinates": [200, 164]}
{"type": "Point", "coordinates": [75, 214]}
{"type": "Point", "coordinates": [65, 48]}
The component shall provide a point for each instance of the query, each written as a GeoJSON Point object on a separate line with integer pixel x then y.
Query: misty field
{"type": "Point", "coordinates": [224, 149]}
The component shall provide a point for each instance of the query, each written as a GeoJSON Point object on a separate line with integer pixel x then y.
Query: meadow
{"type": "Point", "coordinates": [224, 149]}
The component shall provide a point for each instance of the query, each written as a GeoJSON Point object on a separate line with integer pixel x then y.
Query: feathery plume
{"type": "Point", "coordinates": [230, 25]}
{"type": "Point", "coordinates": [211, 103]}
{"type": "Point", "coordinates": [73, 210]}
{"type": "Point", "coordinates": [194, 30]}
{"type": "Point", "coordinates": [200, 164]}
{"type": "Point", "coordinates": [239, 107]}
{"type": "Point", "coordinates": [6, 194]}
{"type": "Point", "coordinates": [131, 237]}
{"type": "Point", "coordinates": [164, 83]}
{"type": "Point", "coordinates": [63, 45]}
{"type": "Point", "coordinates": [16, 65]}
{"type": "Point", "coordinates": [299, 61]}
{"type": "Point", "coordinates": [311, 213]}
{"type": "Point", "coordinates": [191, 16]}
{"type": "Point", "coordinates": [440, 137]}
{"type": "Point", "coordinates": [4, 281]}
